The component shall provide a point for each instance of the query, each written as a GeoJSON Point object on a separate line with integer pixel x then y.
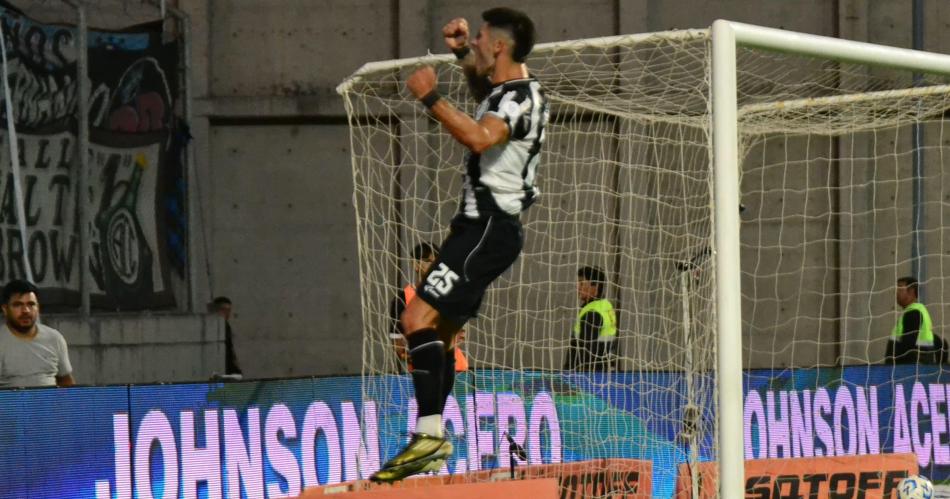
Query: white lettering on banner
{"type": "Point", "coordinates": [802, 442]}
{"type": "Point", "coordinates": [919, 404]}
{"type": "Point", "coordinates": [280, 424]}
{"type": "Point", "coordinates": [452, 417]}
{"type": "Point", "coordinates": [791, 423]}
{"type": "Point", "coordinates": [544, 413]}
{"type": "Point", "coordinates": [318, 422]}
{"type": "Point", "coordinates": [200, 464]}
{"type": "Point", "coordinates": [244, 462]}
{"type": "Point", "coordinates": [123, 462]}
{"type": "Point", "coordinates": [360, 452]}
{"type": "Point", "coordinates": [488, 416]}
{"type": "Point", "coordinates": [822, 408]}
{"type": "Point", "coordinates": [225, 453]}
{"type": "Point", "coordinates": [484, 430]}
{"type": "Point", "coordinates": [846, 422]}
{"type": "Point", "coordinates": [155, 429]}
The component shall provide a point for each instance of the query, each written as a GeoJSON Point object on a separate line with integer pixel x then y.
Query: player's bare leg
{"type": "Point", "coordinates": [428, 448]}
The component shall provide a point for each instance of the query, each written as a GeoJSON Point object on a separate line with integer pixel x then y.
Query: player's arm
{"type": "Point", "coordinates": [478, 136]}
{"type": "Point", "coordinates": [456, 34]}
{"type": "Point", "coordinates": [64, 381]}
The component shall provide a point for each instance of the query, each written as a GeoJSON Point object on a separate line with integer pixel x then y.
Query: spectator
{"type": "Point", "coordinates": [912, 339]}
{"type": "Point", "coordinates": [31, 354]}
{"type": "Point", "coordinates": [594, 343]}
{"type": "Point", "coordinates": [222, 306]}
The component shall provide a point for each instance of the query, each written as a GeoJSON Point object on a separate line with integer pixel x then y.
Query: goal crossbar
{"type": "Point", "coordinates": [606, 41]}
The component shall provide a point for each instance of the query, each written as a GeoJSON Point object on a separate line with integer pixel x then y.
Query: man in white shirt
{"type": "Point", "coordinates": [31, 354]}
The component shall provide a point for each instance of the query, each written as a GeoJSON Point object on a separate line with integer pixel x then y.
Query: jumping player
{"type": "Point", "coordinates": [504, 140]}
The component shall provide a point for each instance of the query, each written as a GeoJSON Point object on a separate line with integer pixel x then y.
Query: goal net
{"type": "Point", "coordinates": [831, 216]}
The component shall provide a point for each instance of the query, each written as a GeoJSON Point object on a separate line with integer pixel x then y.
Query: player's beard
{"type": "Point", "coordinates": [20, 324]}
{"type": "Point", "coordinates": [484, 66]}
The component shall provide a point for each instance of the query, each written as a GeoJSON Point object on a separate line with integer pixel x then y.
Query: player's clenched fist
{"type": "Point", "coordinates": [422, 81]}
{"type": "Point", "coordinates": [456, 33]}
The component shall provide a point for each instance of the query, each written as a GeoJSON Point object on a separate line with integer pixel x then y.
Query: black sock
{"type": "Point", "coordinates": [448, 377]}
{"type": "Point", "coordinates": [428, 362]}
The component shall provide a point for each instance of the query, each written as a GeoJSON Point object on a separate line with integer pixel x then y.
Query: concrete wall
{"type": "Point", "coordinates": [273, 151]}
{"type": "Point", "coordinates": [276, 230]}
{"type": "Point", "coordinates": [112, 349]}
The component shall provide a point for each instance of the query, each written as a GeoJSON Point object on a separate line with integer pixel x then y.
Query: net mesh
{"type": "Point", "coordinates": [626, 185]}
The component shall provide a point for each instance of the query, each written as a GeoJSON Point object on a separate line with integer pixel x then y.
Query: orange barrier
{"type": "Point", "coordinates": [613, 478]}
{"type": "Point", "coordinates": [868, 477]}
{"type": "Point", "coordinates": [545, 488]}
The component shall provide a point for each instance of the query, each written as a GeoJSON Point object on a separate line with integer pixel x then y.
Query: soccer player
{"type": "Point", "coordinates": [504, 140]}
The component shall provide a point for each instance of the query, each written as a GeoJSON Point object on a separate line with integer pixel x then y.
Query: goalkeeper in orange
{"type": "Point", "coordinates": [504, 141]}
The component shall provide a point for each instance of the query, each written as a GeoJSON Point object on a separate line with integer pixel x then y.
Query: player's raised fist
{"type": "Point", "coordinates": [422, 81]}
{"type": "Point", "coordinates": [456, 33]}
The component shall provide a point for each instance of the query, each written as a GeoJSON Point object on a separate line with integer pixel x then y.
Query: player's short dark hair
{"type": "Point", "coordinates": [424, 251]}
{"type": "Point", "coordinates": [594, 275]}
{"type": "Point", "coordinates": [518, 25]}
{"type": "Point", "coordinates": [909, 283]}
{"type": "Point", "coordinates": [18, 287]}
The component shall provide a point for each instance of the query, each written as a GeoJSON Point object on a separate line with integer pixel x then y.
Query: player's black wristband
{"type": "Point", "coordinates": [461, 52]}
{"type": "Point", "coordinates": [430, 98]}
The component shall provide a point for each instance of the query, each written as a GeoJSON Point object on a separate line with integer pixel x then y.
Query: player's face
{"type": "Point", "coordinates": [586, 290]}
{"type": "Point", "coordinates": [904, 295]}
{"type": "Point", "coordinates": [21, 312]}
{"type": "Point", "coordinates": [423, 266]}
{"type": "Point", "coordinates": [484, 51]}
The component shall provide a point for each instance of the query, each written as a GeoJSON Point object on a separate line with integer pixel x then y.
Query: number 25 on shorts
{"type": "Point", "coordinates": [441, 281]}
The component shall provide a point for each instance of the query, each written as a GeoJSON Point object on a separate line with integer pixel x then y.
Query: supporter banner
{"type": "Point", "coordinates": [276, 438]}
{"type": "Point", "coordinates": [133, 189]}
{"type": "Point", "coordinates": [854, 477]}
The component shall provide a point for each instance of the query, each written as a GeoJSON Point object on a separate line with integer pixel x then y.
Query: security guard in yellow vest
{"type": "Point", "coordinates": [912, 339]}
{"type": "Point", "coordinates": [594, 340]}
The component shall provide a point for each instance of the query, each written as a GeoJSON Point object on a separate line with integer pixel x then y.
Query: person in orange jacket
{"type": "Point", "coordinates": [423, 254]}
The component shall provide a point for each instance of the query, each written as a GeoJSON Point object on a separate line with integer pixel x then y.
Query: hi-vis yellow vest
{"type": "Point", "coordinates": [608, 328]}
{"type": "Point", "coordinates": [925, 337]}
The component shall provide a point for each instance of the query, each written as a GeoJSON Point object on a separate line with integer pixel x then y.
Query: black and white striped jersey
{"type": "Point", "coordinates": [501, 180]}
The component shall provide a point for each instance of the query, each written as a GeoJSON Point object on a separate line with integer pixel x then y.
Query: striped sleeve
{"type": "Point", "coordinates": [514, 108]}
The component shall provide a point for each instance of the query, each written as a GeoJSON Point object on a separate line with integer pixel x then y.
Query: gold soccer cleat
{"type": "Point", "coordinates": [424, 453]}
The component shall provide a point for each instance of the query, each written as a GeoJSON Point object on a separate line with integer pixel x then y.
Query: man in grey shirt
{"type": "Point", "coordinates": [31, 354]}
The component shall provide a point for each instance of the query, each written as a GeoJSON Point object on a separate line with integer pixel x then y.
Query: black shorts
{"type": "Point", "coordinates": [475, 254]}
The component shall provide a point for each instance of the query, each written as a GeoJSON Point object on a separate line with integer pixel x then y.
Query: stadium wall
{"type": "Point", "coordinates": [264, 74]}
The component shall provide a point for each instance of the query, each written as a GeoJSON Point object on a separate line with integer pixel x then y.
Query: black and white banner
{"type": "Point", "coordinates": [133, 189]}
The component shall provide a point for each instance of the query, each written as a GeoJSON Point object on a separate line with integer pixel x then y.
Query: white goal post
{"type": "Point", "coordinates": [726, 37]}
{"type": "Point", "coordinates": [655, 140]}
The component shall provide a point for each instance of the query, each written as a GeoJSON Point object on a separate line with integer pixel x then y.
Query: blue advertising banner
{"type": "Point", "coordinates": [272, 439]}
